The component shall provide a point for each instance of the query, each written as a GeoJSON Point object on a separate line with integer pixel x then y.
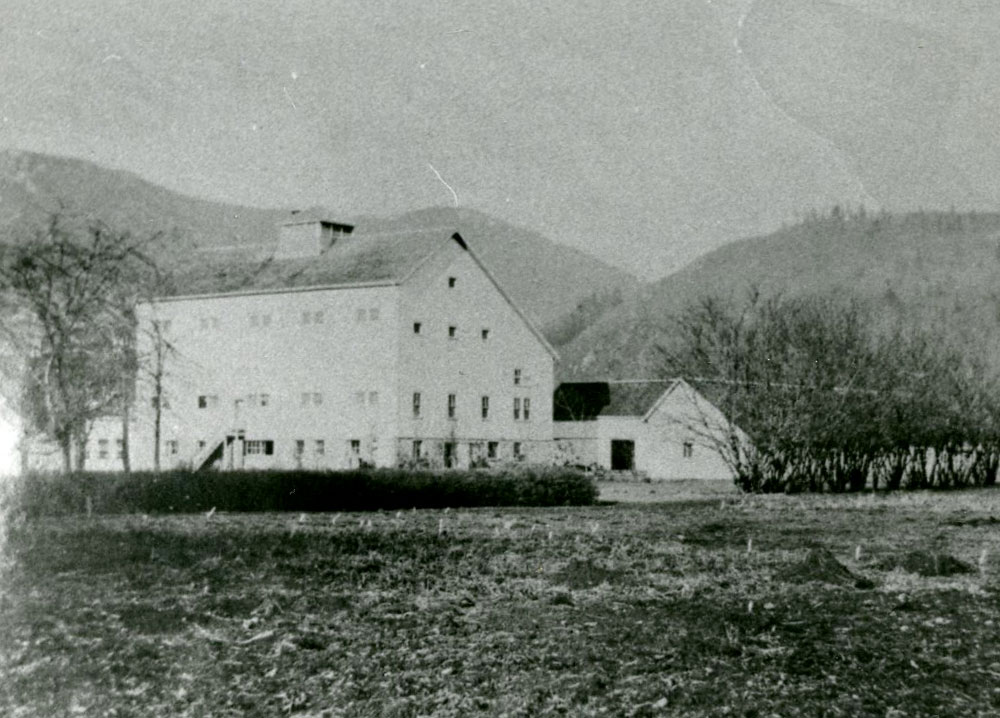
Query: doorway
{"type": "Point", "coordinates": [622, 455]}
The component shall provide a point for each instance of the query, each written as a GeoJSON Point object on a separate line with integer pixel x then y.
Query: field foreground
{"type": "Point", "coordinates": [743, 606]}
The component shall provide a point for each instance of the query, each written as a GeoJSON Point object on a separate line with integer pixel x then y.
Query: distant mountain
{"type": "Point", "coordinates": [562, 288]}
{"type": "Point", "coordinates": [937, 269]}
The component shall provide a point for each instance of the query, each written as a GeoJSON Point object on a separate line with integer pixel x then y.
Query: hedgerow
{"type": "Point", "coordinates": [303, 491]}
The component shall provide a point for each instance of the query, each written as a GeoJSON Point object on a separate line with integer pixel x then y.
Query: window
{"type": "Point", "coordinates": [312, 317]}
{"type": "Point", "coordinates": [452, 331]}
{"type": "Point", "coordinates": [306, 317]}
{"type": "Point", "coordinates": [360, 315]}
{"type": "Point", "coordinates": [317, 317]}
{"type": "Point", "coordinates": [172, 447]}
{"type": "Point", "coordinates": [517, 408]}
{"type": "Point", "coordinates": [265, 320]}
{"type": "Point", "coordinates": [688, 449]}
{"type": "Point", "coordinates": [517, 449]}
{"type": "Point", "coordinates": [451, 406]}
{"type": "Point", "coordinates": [373, 398]}
{"type": "Point", "coordinates": [486, 334]}
{"type": "Point", "coordinates": [416, 327]}
{"type": "Point", "coordinates": [416, 405]}
{"type": "Point", "coordinates": [527, 408]}
{"type": "Point", "coordinates": [208, 401]}
{"type": "Point", "coordinates": [319, 447]}
{"type": "Point", "coordinates": [517, 377]}
{"type": "Point", "coordinates": [491, 449]}
{"type": "Point", "coordinates": [451, 282]}
{"type": "Point", "coordinates": [259, 447]}
{"type": "Point", "coordinates": [416, 449]}
{"type": "Point", "coordinates": [102, 448]}
{"type": "Point", "coordinates": [265, 399]}
{"type": "Point", "coordinates": [162, 401]}
{"type": "Point", "coordinates": [359, 398]}
{"type": "Point", "coordinates": [300, 447]}
{"type": "Point", "coordinates": [355, 446]}
{"type": "Point", "coordinates": [486, 407]}
{"type": "Point", "coordinates": [373, 314]}
{"type": "Point", "coordinates": [201, 444]}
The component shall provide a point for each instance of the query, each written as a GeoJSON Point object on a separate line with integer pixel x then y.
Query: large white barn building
{"type": "Point", "coordinates": [341, 350]}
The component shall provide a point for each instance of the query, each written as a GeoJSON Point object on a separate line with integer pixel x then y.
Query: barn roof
{"type": "Point", "coordinates": [582, 401]}
{"type": "Point", "coordinates": [357, 259]}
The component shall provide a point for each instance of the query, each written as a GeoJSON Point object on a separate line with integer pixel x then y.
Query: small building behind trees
{"type": "Point", "coordinates": [664, 429]}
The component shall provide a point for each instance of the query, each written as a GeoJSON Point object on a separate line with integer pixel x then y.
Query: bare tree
{"type": "Point", "coordinates": [72, 288]}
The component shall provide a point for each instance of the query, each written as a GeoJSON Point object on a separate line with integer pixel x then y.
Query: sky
{"type": "Point", "coordinates": [643, 133]}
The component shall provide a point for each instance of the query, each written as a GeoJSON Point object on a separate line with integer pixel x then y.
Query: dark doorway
{"type": "Point", "coordinates": [622, 455]}
{"type": "Point", "coordinates": [449, 454]}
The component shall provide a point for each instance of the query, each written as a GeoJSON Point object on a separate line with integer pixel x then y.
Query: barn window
{"type": "Point", "coordinates": [416, 327]}
{"type": "Point", "coordinates": [416, 449]}
{"type": "Point", "coordinates": [452, 331]}
{"type": "Point", "coordinates": [486, 407]}
{"type": "Point", "coordinates": [320, 447]}
{"type": "Point", "coordinates": [486, 334]}
{"type": "Point", "coordinates": [517, 408]}
{"type": "Point", "coordinates": [451, 282]}
{"type": "Point", "coordinates": [416, 405]}
{"type": "Point", "coordinates": [527, 408]}
{"type": "Point", "coordinates": [688, 449]}
{"type": "Point", "coordinates": [517, 450]}
{"type": "Point", "coordinates": [491, 449]}
{"type": "Point", "coordinates": [172, 447]}
{"type": "Point", "coordinates": [451, 406]}
{"type": "Point", "coordinates": [517, 377]}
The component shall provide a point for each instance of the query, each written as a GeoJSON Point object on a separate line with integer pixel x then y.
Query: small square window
{"type": "Point", "coordinates": [451, 282]}
{"type": "Point", "coordinates": [202, 402]}
{"type": "Point", "coordinates": [688, 449]}
{"type": "Point", "coordinates": [355, 446]}
{"type": "Point", "coordinates": [300, 447]}
{"type": "Point", "coordinates": [416, 327]}
{"type": "Point", "coordinates": [517, 377]}
{"type": "Point", "coordinates": [201, 444]}
{"type": "Point", "coordinates": [172, 447]}
{"type": "Point", "coordinates": [452, 332]}
{"type": "Point", "coordinates": [320, 447]}
{"type": "Point", "coordinates": [265, 399]}
{"type": "Point", "coordinates": [486, 334]}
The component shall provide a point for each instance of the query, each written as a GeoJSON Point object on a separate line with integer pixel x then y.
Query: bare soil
{"type": "Point", "coordinates": [710, 605]}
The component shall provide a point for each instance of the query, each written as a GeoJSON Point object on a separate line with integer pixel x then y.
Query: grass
{"type": "Point", "coordinates": [704, 606]}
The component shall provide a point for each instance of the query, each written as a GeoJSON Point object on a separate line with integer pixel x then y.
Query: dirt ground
{"type": "Point", "coordinates": [715, 604]}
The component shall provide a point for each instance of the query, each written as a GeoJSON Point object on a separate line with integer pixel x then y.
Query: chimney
{"type": "Point", "coordinates": [304, 236]}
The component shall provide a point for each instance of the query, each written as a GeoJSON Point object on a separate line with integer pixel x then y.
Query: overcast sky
{"type": "Point", "coordinates": [644, 133]}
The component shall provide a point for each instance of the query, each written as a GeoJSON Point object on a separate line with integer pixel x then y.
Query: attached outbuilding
{"type": "Point", "coordinates": [664, 429]}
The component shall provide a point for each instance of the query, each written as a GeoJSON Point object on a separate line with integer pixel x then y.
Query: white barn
{"type": "Point", "coordinates": [339, 350]}
{"type": "Point", "coordinates": [662, 429]}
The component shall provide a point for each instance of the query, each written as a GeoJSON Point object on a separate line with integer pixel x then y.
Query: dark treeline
{"type": "Point", "coordinates": [832, 399]}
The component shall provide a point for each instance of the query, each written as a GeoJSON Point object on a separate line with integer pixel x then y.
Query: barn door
{"type": "Point", "coordinates": [622, 455]}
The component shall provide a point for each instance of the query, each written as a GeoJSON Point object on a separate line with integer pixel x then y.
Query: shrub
{"type": "Point", "coordinates": [354, 490]}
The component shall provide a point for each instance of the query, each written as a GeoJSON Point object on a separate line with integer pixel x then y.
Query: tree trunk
{"type": "Point", "coordinates": [126, 461]}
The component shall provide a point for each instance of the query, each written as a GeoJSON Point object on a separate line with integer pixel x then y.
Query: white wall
{"type": "Point", "coordinates": [337, 344]}
{"type": "Point", "coordinates": [469, 366]}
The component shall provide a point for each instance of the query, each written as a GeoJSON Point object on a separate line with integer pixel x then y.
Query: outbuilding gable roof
{"type": "Point", "coordinates": [583, 401]}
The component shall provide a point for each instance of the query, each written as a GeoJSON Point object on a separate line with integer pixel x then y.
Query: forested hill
{"type": "Point", "coordinates": [562, 288]}
{"type": "Point", "coordinates": [938, 269]}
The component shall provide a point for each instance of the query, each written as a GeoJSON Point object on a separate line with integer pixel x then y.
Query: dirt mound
{"type": "Point", "coordinates": [586, 574]}
{"type": "Point", "coordinates": [924, 563]}
{"type": "Point", "coordinates": [818, 565]}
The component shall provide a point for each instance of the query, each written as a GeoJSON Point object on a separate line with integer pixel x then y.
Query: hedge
{"type": "Point", "coordinates": [353, 490]}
